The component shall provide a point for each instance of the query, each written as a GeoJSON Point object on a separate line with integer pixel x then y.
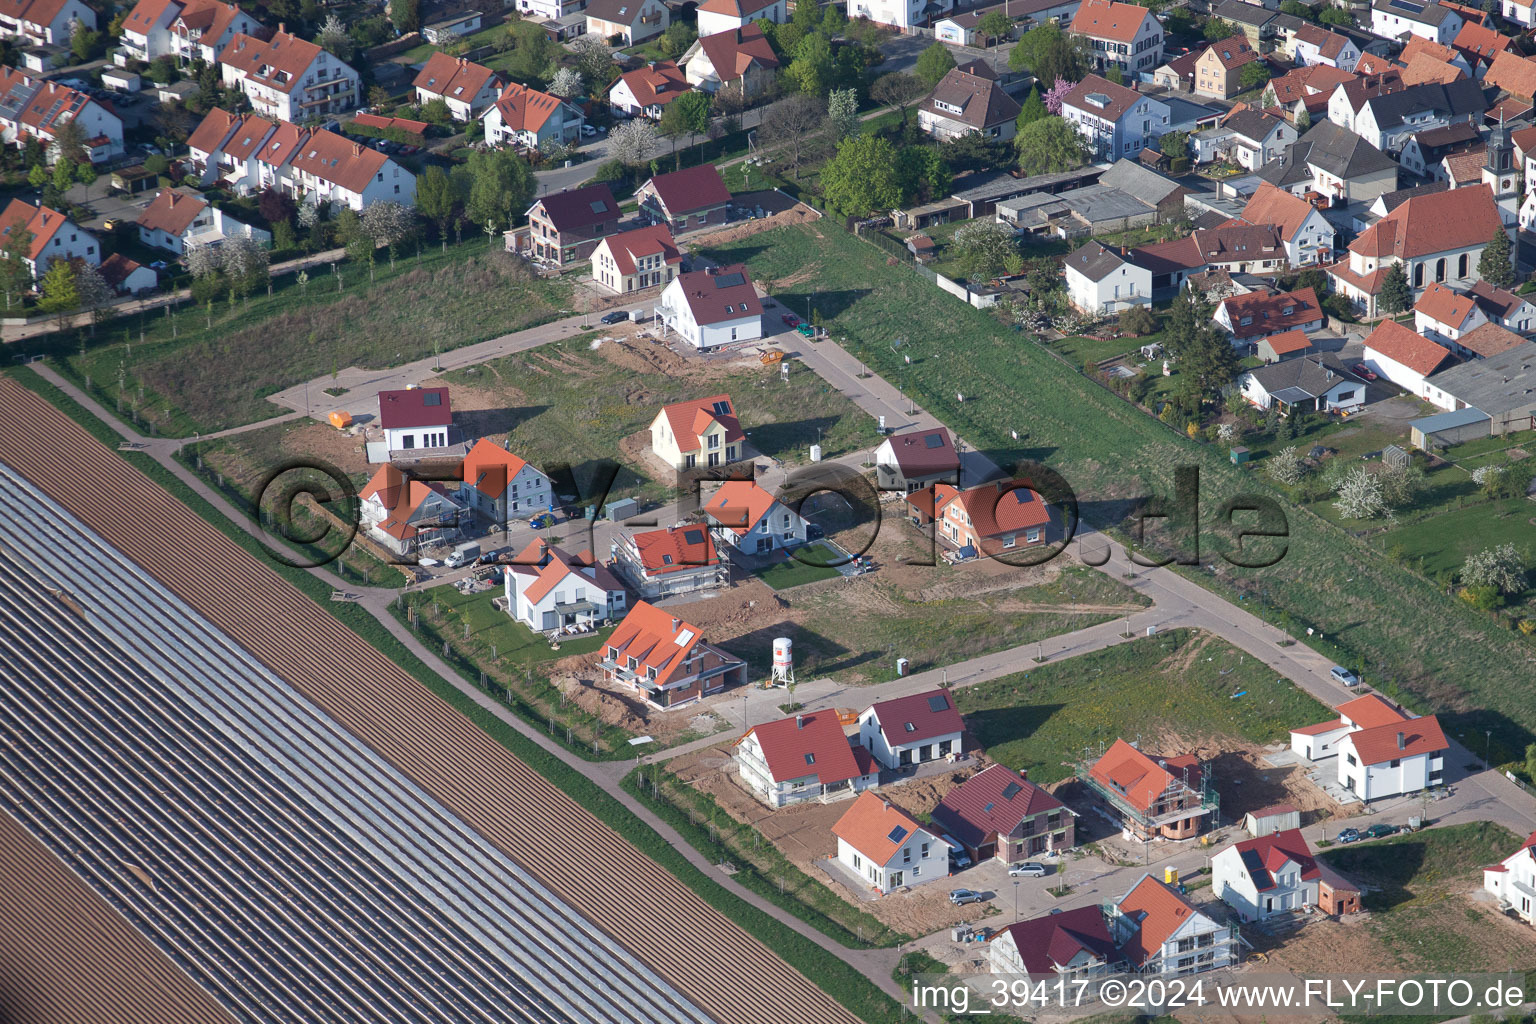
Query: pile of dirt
{"type": "Point", "coordinates": [1244, 782]}
{"type": "Point", "coordinates": [797, 214]}
{"type": "Point", "coordinates": [323, 441]}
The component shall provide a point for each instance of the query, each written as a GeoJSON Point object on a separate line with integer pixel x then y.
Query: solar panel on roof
{"type": "Point", "coordinates": [1011, 790]}
{"type": "Point", "coordinates": [898, 834]}
{"type": "Point", "coordinates": [938, 702]}
{"type": "Point", "coordinates": [722, 408]}
{"type": "Point", "coordinates": [693, 536]}
{"type": "Point", "coordinates": [432, 398]}
{"type": "Point", "coordinates": [599, 206]}
{"type": "Point", "coordinates": [1255, 865]}
{"type": "Point", "coordinates": [934, 441]}
{"type": "Point", "coordinates": [730, 280]}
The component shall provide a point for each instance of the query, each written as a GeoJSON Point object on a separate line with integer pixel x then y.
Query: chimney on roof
{"type": "Point", "coordinates": [675, 623]}
{"type": "Point", "coordinates": [886, 803]}
{"type": "Point", "coordinates": [799, 721]}
{"type": "Point", "coordinates": [282, 27]}
{"type": "Point", "coordinates": [1024, 773]}
{"type": "Point", "coordinates": [1402, 741]}
{"type": "Point", "coordinates": [357, 149]}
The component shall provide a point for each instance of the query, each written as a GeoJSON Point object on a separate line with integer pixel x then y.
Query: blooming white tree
{"type": "Point", "coordinates": [1482, 475]}
{"type": "Point", "coordinates": [203, 260]}
{"type": "Point", "coordinates": [1360, 496]}
{"type": "Point", "coordinates": [1226, 432]}
{"type": "Point", "coordinates": [566, 83]}
{"type": "Point", "coordinates": [95, 294]}
{"type": "Point", "coordinates": [388, 223]}
{"type": "Point", "coordinates": [1286, 466]}
{"type": "Point", "coordinates": [843, 112]}
{"type": "Point", "coordinates": [1501, 568]}
{"type": "Point", "coordinates": [633, 142]}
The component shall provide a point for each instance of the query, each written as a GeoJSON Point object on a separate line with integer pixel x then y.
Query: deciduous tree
{"type": "Point", "coordinates": [843, 113]}
{"type": "Point", "coordinates": [899, 90]}
{"type": "Point", "coordinates": [333, 38]}
{"type": "Point", "coordinates": [633, 142]}
{"type": "Point", "coordinates": [1501, 568]}
{"type": "Point", "coordinates": [812, 69]}
{"type": "Point", "coordinates": [1359, 496]}
{"type": "Point", "coordinates": [933, 64]}
{"type": "Point", "coordinates": [995, 25]}
{"type": "Point", "coordinates": [436, 198]}
{"type": "Point", "coordinates": [60, 298]}
{"type": "Point", "coordinates": [1032, 110]}
{"type": "Point", "coordinates": [15, 250]}
{"type": "Point", "coordinates": [1049, 145]}
{"type": "Point", "coordinates": [406, 14]}
{"type": "Point", "coordinates": [982, 247]}
{"type": "Point", "coordinates": [500, 186]}
{"type": "Point", "coordinates": [566, 83]}
{"type": "Point", "coordinates": [862, 177]}
{"type": "Point", "coordinates": [789, 122]}
{"type": "Point", "coordinates": [95, 295]}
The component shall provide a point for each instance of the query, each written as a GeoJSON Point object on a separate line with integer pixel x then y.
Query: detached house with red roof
{"type": "Point", "coordinates": [1257, 315]}
{"type": "Point", "coordinates": [988, 519]}
{"type": "Point", "coordinates": [998, 813]}
{"type": "Point", "coordinates": [1167, 797]}
{"type": "Point", "coordinates": [179, 219]}
{"type": "Point", "coordinates": [34, 108]}
{"type": "Point", "coordinates": [666, 660]}
{"type": "Point", "coordinates": [738, 60]}
{"type": "Point", "coordinates": [550, 591]}
{"type": "Point", "coordinates": [702, 432]}
{"type": "Point", "coordinates": [1315, 45]}
{"type": "Point", "coordinates": [1072, 943]}
{"type": "Point", "coordinates": [416, 418]}
{"type": "Point", "coordinates": [502, 488]}
{"type": "Point", "coordinates": [185, 29]}
{"type": "Point", "coordinates": [712, 307]}
{"type": "Point", "coordinates": [1266, 875]}
{"type": "Point", "coordinates": [886, 847]}
{"type": "Point", "coordinates": [910, 730]}
{"type": "Point", "coordinates": [916, 459]}
{"type": "Point", "coordinates": [685, 200]}
{"type": "Point", "coordinates": [403, 514]}
{"type": "Point", "coordinates": [1381, 750]}
{"type": "Point", "coordinates": [1306, 233]}
{"type": "Point", "coordinates": [636, 260]}
{"type": "Point", "coordinates": [1405, 358]}
{"type": "Point", "coordinates": [527, 118]}
{"type": "Point", "coordinates": [1443, 314]}
{"type": "Point", "coordinates": [1158, 931]}
{"type": "Point", "coordinates": [805, 757]}
{"type": "Point", "coordinates": [647, 91]}
{"type": "Point", "coordinates": [1513, 881]}
{"type": "Point", "coordinates": [466, 87]}
{"type": "Point", "coordinates": [565, 227]}
{"type": "Point", "coordinates": [1219, 70]}
{"type": "Point", "coordinates": [969, 99]}
{"type": "Point", "coordinates": [1438, 236]}
{"type": "Point", "coordinates": [744, 516]}
{"type": "Point", "coordinates": [44, 22]}
{"type": "Point", "coordinates": [630, 21]}
{"type": "Point", "coordinates": [54, 236]}
{"type": "Point", "coordinates": [289, 78]}
{"type": "Point", "coordinates": [663, 563]}
{"type": "Point", "coordinates": [1115, 121]}
{"type": "Point", "coordinates": [1120, 34]}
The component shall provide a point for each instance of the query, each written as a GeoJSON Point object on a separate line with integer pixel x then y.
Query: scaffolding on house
{"type": "Point", "coordinates": [1191, 792]}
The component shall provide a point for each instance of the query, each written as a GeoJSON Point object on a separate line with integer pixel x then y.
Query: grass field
{"type": "Point", "coordinates": [573, 404]}
{"type": "Point", "coordinates": [812, 564]}
{"type": "Point", "coordinates": [1177, 682]}
{"type": "Point", "coordinates": [1413, 636]}
{"type": "Point", "coordinates": [194, 372]}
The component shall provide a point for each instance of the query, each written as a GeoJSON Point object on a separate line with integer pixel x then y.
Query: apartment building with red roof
{"type": "Point", "coordinates": [1436, 237]}
{"type": "Point", "coordinates": [565, 227]}
{"type": "Point", "coordinates": [1380, 749]}
{"type": "Point", "coordinates": [1259, 314]}
{"type": "Point", "coordinates": [34, 108]}
{"type": "Point", "coordinates": [54, 237]}
{"type": "Point", "coordinates": [465, 87]}
{"type": "Point", "coordinates": [685, 200]}
{"type": "Point", "coordinates": [1119, 34]}
{"type": "Point", "coordinates": [554, 592]}
{"type": "Point", "coordinates": [634, 260]}
{"type": "Point", "coordinates": [740, 61]}
{"type": "Point", "coordinates": [403, 514]}
{"type": "Point", "coordinates": [665, 660]}
{"type": "Point", "coordinates": [502, 488]}
{"type": "Point", "coordinates": [885, 848]}
{"type": "Point", "coordinates": [1158, 931]}
{"type": "Point", "coordinates": [527, 119]}
{"type": "Point", "coordinates": [289, 78]}
{"type": "Point", "coordinates": [185, 29]}
{"type": "Point", "coordinates": [911, 730]}
{"type": "Point", "coordinates": [989, 519]}
{"type": "Point", "coordinates": [44, 22]}
{"type": "Point", "coordinates": [1072, 943]}
{"type": "Point", "coordinates": [1167, 796]}
{"type": "Point", "coordinates": [680, 559]}
{"type": "Point", "coordinates": [804, 757]}
{"type": "Point", "coordinates": [698, 432]}
{"type": "Point", "coordinates": [998, 813]}
{"type": "Point", "coordinates": [647, 91]}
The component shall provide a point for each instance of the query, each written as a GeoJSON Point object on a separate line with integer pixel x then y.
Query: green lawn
{"type": "Point", "coordinates": [1443, 542]}
{"type": "Point", "coordinates": [1080, 350]}
{"type": "Point", "coordinates": [193, 373]}
{"type": "Point", "coordinates": [567, 402]}
{"type": "Point", "coordinates": [792, 572]}
{"type": "Point", "coordinates": [1415, 639]}
{"type": "Point", "coordinates": [1180, 682]}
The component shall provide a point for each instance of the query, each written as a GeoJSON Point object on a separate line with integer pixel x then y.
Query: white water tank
{"type": "Point", "coordinates": [783, 654]}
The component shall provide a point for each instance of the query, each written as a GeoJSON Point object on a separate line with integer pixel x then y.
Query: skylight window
{"type": "Point", "coordinates": [1011, 790]}
{"type": "Point", "coordinates": [898, 834]}
{"type": "Point", "coordinates": [910, 727]}
{"type": "Point", "coordinates": [810, 758]}
{"type": "Point", "coordinates": [938, 702]}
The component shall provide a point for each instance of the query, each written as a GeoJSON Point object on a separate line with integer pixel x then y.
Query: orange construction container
{"type": "Point", "coordinates": [341, 419]}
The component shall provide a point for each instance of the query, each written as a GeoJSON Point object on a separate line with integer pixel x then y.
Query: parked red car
{"type": "Point", "coordinates": [1365, 371]}
{"type": "Point", "coordinates": [790, 320]}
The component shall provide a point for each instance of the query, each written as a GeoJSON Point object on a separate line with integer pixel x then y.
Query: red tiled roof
{"type": "Point", "coordinates": [1274, 852]}
{"type": "Point", "coordinates": [43, 221]}
{"type": "Point", "coordinates": [735, 50]}
{"type": "Point", "coordinates": [1161, 912]}
{"type": "Point", "coordinates": [1272, 810]}
{"type": "Point", "coordinates": [1319, 728]}
{"type": "Point", "coordinates": [402, 496]}
{"type": "Point", "coordinates": [1420, 45]}
{"type": "Point", "coordinates": [989, 803]}
{"type": "Point", "coordinates": [1373, 64]}
{"type": "Point", "coordinates": [718, 296]}
{"type": "Point", "coordinates": [1117, 98]}
{"type": "Point", "coordinates": [1272, 313]}
{"type": "Point", "coordinates": [917, 717]}
{"type": "Point", "coordinates": [415, 407]}
{"type": "Point", "coordinates": [490, 468]}
{"type": "Point", "coordinates": [875, 827]}
{"type": "Point", "coordinates": [1445, 306]}
{"type": "Point", "coordinates": [658, 639]}
{"type": "Point", "coordinates": [115, 269]}
{"type": "Point", "coordinates": [1288, 342]}
{"type": "Point", "coordinates": [214, 128]}
{"type": "Point", "coordinates": [1424, 67]}
{"type": "Point", "coordinates": [209, 19]}
{"type": "Point", "coordinates": [453, 78]}
{"type": "Point", "coordinates": [1053, 941]}
{"type": "Point", "coordinates": [1140, 779]}
{"type": "Point", "coordinates": [674, 549]}
{"type": "Point", "coordinates": [172, 212]}
{"type": "Point", "coordinates": [1480, 41]}
{"type": "Point", "coordinates": [145, 14]}
{"type": "Point", "coordinates": [1413, 350]}
{"type": "Point", "coordinates": [1297, 85]}
{"type": "Point", "coordinates": [1512, 73]}
{"type": "Point", "coordinates": [579, 208]}
{"type": "Point", "coordinates": [657, 84]}
{"type": "Point", "coordinates": [1489, 339]}
{"type": "Point", "coordinates": [1329, 44]}
{"type": "Point", "coordinates": [405, 124]}
{"type": "Point", "coordinates": [1004, 507]}
{"type": "Point", "coordinates": [1272, 205]}
{"type": "Point", "coordinates": [279, 64]}
{"type": "Point", "coordinates": [1369, 711]}
{"type": "Point", "coordinates": [546, 566]}
{"type": "Point", "coordinates": [1109, 19]}
{"type": "Point", "coordinates": [738, 505]}
{"type": "Point", "coordinates": [525, 109]}
{"type": "Point", "coordinates": [1461, 168]}
{"type": "Point", "coordinates": [638, 243]}
{"type": "Point", "coordinates": [916, 456]}
{"type": "Point", "coordinates": [330, 157]}
{"type": "Point", "coordinates": [689, 420]}
{"type": "Point", "coordinates": [696, 188]}
{"type": "Point", "coordinates": [812, 744]}
{"type": "Point", "coordinates": [1232, 53]}
{"type": "Point", "coordinates": [735, 8]}
{"type": "Point", "coordinates": [1380, 744]}
{"type": "Point", "coordinates": [1457, 218]}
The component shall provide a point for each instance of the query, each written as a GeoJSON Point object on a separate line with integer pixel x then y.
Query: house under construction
{"type": "Point", "coordinates": [1167, 797]}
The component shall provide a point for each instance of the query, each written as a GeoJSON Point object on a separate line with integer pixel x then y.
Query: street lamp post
{"type": "Point", "coordinates": [1487, 748]}
{"type": "Point", "coordinates": [1015, 899]}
